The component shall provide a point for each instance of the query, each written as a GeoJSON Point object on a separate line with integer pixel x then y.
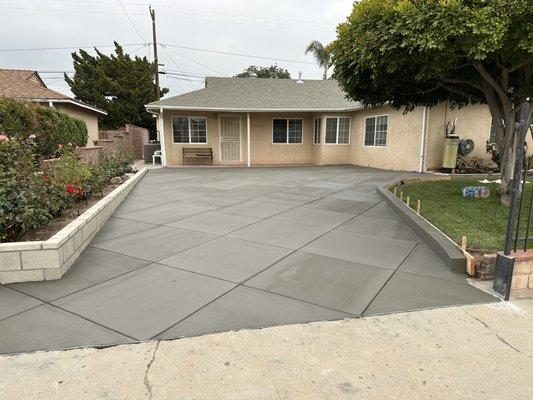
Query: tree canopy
{"type": "Point", "coordinates": [410, 53]}
{"type": "Point", "coordinates": [118, 83]}
{"type": "Point", "coordinates": [272, 71]}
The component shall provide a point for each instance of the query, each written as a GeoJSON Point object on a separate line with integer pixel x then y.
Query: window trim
{"type": "Point", "coordinates": [386, 137]}
{"type": "Point", "coordinates": [189, 119]}
{"type": "Point", "coordinates": [287, 137]}
{"type": "Point", "coordinates": [314, 130]}
{"type": "Point", "coordinates": [338, 117]}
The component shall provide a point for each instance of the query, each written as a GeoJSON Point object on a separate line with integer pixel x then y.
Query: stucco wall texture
{"type": "Point", "coordinates": [402, 150]}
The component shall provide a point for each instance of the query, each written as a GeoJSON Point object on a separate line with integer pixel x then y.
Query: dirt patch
{"type": "Point", "coordinates": [66, 217]}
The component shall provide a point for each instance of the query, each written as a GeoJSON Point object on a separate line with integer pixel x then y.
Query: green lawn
{"type": "Point", "coordinates": [482, 221]}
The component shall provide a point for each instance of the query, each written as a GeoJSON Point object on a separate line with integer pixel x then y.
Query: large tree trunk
{"type": "Point", "coordinates": [507, 162]}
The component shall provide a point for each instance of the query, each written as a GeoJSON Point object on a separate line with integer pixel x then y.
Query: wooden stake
{"type": "Point", "coordinates": [407, 202]}
{"type": "Point", "coordinates": [463, 243]}
{"type": "Point", "coordinates": [418, 206]}
{"type": "Point", "coordinates": [395, 187]}
{"type": "Point", "coordinates": [401, 195]}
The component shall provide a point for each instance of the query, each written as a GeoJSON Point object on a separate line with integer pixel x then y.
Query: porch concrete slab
{"type": "Point", "coordinates": [311, 192]}
{"type": "Point", "coordinates": [164, 213]}
{"type": "Point", "coordinates": [422, 261]}
{"type": "Point", "coordinates": [116, 227]}
{"type": "Point", "coordinates": [364, 249]}
{"type": "Point", "coordinates": [246, 307]}
{"type": "Point", "coordinates": [328, 185]}
{"type": "Point", "coordinates": [254, 208]}
{"type": "Point", "coordinates": [145, 302]}
{"type": "Point", "coordinates": [390, 228]}
{"type": "Point", "coordinates": [156, 243]}
{"type": "Point", "coordinates": [130, 205]}
{"type": "Point", "coordinates": [92, 267]}
{"type": "Point", "coordinates": [285, 198]}
{"type": "Point", "coordinates": [354, 194]}
{"type": "Point", "coordinates": [381, 210]}
{"type": "Point", "coordinates": [210, 203]}
{"type": "Point", "coordinates": [215, 222]}
{"type": "Point", "coordinates": [13, 302]}
{"type": "Point", "coordinates": [168, 195]}
{"type": "Point", "coordinates": [242, 193]}
{"type": "Point", "coordinates": [226, 258]}
{"type": "Point", "coordinates": [340, 205]}
{"type": "Point", "coordinates": [47, 327]}
{"type": "Point", "coordinates": [408, 292]}
{"type": "Point", "coordinates": [314, 217]}
{"type": "Point", "coordinates": [279, 233]}
{"type": "Point", "coordinates": [338, 284]}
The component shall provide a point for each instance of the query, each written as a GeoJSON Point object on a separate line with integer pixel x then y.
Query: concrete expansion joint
{"type": "Point", "coordinates": [496, 334]}
{"type": "Point", "coordinates": [146, 379]}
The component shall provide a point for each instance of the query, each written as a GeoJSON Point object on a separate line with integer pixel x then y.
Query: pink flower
{"type": "Point", "coordinates": [60, 146]}
{"type": "Point", "coordinates": [32, 136]}
{"type": "Point", "coordinates": [4, 138]}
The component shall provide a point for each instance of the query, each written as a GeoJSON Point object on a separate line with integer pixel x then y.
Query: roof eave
{"type": "Point", "coordinates": [71, 101]}
{"type": "Point", "coordinates": [225, 109]}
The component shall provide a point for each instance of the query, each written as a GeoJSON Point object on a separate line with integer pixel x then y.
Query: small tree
{"type": "Point", "coordinates": [272, 71]}
{"type": "Point", "coordinates": [322, 55]}
{"type": "Point", "coordinates": [410, 53]}
{"type": "Point", "coordinates": [118, 84]}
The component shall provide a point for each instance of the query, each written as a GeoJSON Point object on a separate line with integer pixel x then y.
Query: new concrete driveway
{"type": "Point", "coordinates": [193, 251]}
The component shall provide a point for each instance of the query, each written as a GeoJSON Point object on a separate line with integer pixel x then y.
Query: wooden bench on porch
{"type": "Point", "coordinates": [198, 153]}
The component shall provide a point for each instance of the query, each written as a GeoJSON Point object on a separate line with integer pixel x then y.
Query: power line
{"type": "Point", "coordinates": [129, 20]}
{"type": "Point", "coordinates": [175, 63]}
{"type": "Point", "coordinates": [203, 11]}
{"type": "Point", "coordinates": [238, 54]}
{"type": "Point", "coordinates": [71, 47]}
{"type": "Point", "coordinates": [191, 60]}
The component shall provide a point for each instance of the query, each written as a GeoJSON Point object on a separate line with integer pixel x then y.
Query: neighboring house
{"type": "Point", "coordinates": [28, 86]}
{"type": "Point", "coordinates": [250, 121]}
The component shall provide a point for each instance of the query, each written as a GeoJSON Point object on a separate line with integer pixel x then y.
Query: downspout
{"type": "Point", "coordinates": [422, 165]}
{"type": "Point", "coordinates": [162, 138]}
{"type": "Point", "coordinates": [248, 140]}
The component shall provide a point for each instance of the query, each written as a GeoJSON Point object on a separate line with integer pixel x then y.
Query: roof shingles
{"type": "Point", "coordinates": [256, 94]}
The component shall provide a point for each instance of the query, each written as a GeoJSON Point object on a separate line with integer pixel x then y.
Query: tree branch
{"type": "Point", "coordinates": [461, 81]}
{"type": "Point", "coordinates": [490, 80]}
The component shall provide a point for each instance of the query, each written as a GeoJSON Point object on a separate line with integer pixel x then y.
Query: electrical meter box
{"type": "Point", "coordinates": [449, 157]}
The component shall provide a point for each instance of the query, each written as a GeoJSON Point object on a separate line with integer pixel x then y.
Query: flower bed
{"type": "Point", "coordinates": [52, 258]}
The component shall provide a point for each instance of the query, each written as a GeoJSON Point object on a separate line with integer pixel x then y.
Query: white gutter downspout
{"type": "Point", "coordinates": [162, 137]}
{"type": "Point", "coordinates": [248, 139]}
{"type": "Point", "coordinates": [422, 165]}
{"type": "Point", "coordinates": [51, 104]}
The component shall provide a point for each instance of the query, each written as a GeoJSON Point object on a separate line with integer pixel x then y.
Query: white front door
{"type": "Point", "coordinates": [230, 138]}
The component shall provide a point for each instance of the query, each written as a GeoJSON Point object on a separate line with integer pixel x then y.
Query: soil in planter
{"type": "Point", "coordinates": [66, 217]}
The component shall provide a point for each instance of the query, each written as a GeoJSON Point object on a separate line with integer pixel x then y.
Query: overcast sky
{"type": "Point", "coordinates": [279, 29]}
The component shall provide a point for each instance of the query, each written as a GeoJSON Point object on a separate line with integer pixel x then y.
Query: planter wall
{"type": "Point", "coordinates": [52, 258]}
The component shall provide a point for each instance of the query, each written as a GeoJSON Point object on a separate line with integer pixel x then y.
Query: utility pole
{"type": "Point", "coordinates": [156, 61]}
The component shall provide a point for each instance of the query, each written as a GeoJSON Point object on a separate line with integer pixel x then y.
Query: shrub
{"type": "Point", "coordinates": [20, 119]}
{"type": "Point", "coordinates": [24, 202]}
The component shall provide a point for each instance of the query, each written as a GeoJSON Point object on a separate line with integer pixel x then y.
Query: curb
{"type": "Point", "coordinates": [442, 245]}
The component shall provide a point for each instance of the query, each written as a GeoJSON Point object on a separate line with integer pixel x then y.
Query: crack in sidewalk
{"type": "Point", "coordinates": [487, 326]}
{"type": "Point", "coordinates": [146, 380]}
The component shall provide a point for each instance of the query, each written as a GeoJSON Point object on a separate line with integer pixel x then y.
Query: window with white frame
{"type": "Point", "coordinates": [189, 129]}
{"type": "Point", "coordinates": [287, 130]}
{"type": "Point", "coordinates": [337, 130]}
{"type": "Point", "coordinates": [316, 130]}
{"type": "Point", "coordinates": [376, 130]}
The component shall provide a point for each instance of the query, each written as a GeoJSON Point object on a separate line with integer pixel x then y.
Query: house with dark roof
{"type": "Point", "coordinates": [251, 121]}
{"type": "Point", "coordinates": [27, 85]}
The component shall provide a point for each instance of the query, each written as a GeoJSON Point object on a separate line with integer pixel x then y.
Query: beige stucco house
{"type": "Point", "coordinates": [251, 121]}
{"type": "Point", "coordinates": [28, 86]}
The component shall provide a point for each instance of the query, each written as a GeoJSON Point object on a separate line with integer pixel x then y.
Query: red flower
{"type": "Point", "coordinates": [80, 194]}
{"type": "Point", "coordinates": [70, 189]}
{"type": "Point", "coordinates": [46, 178]}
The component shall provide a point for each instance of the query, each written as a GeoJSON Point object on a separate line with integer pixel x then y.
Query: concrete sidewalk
{"type": "Point", "coordinates": [469, 352]}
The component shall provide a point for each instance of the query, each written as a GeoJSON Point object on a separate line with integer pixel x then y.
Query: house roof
{"type": "Point", "coordinates": [256, 94]}
{"type": "Point", "coordinates": [27, 85]}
